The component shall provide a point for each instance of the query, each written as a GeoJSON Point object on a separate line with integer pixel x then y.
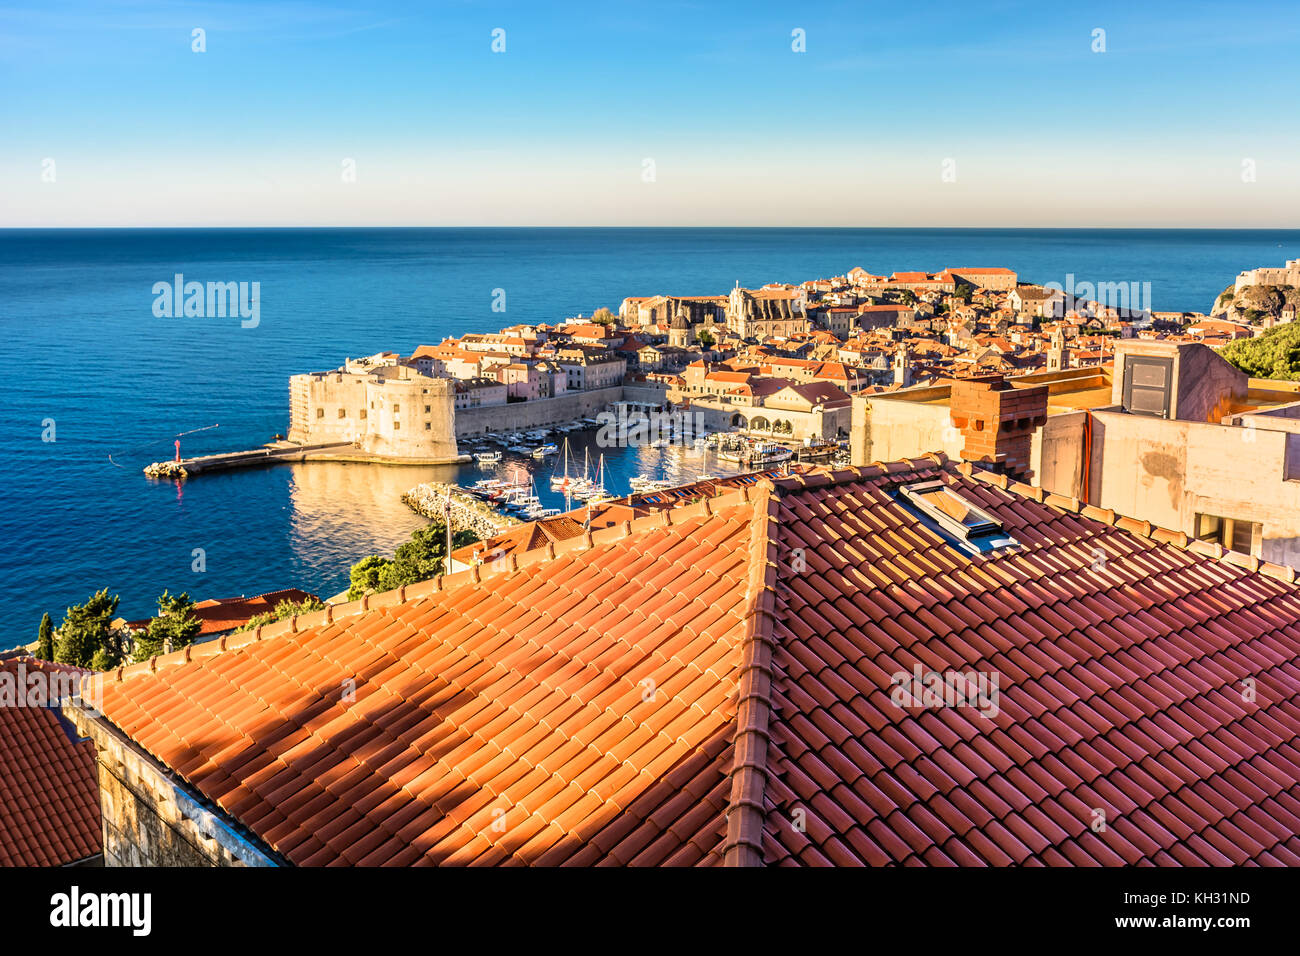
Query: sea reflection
{"type": "Point", "coordinates": [339, 512]}
{"type": "Point", "coordinates": [342, 511]}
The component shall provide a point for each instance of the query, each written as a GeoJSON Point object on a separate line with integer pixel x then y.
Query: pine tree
{"type": "Point", "coordinates": [45, 639]}
{"type": "Point", "coordinates": [85, 631]}
{"type": "Point", "coordinates": [174, 627]}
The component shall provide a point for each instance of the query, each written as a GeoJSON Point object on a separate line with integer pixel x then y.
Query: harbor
{"type": "Point", "coordinates": [540, 473]}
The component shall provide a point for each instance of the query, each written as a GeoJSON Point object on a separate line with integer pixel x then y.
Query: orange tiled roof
{"type": "Point", "coordinates": [224, 614]}
{"type": "Point", "coordinates": [49, 788]}
{"type": "Point", "coordinates": [683, 688]}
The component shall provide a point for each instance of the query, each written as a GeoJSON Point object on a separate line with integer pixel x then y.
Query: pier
{"type": "Point", "coordinates": [283, 452]}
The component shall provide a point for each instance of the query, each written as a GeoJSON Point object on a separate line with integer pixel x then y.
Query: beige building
{"type": "Point", "coordinates": [997, 278]}
{"type": "Point", "coordinates": [389, 410]}
{"type": "Point", "coordinates": [770, 311]}
{"type": "Point", "coordinates": [1170, 434]}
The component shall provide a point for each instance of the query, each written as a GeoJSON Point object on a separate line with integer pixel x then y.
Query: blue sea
{"type": "Point", "coordinates": [93, 368]}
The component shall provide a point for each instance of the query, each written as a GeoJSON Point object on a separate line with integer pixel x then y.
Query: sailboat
{"type": "Point", "coordinates": [597, 493]}
{"type": "Point", "coordinates": [562, 480]}
{"type": "Point", "coordinates": [580, 486]}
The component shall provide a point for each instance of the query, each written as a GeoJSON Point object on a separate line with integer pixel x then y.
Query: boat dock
{"type": "Point", "coordinates": [278, 452]}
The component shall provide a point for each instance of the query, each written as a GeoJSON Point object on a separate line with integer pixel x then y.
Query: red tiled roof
{"type": "Point", "coordinates": [224, 614]}
{"type": "Point", "coordinates": [49, 788]}
{"type": "Point", "coordinates": [771, 622]}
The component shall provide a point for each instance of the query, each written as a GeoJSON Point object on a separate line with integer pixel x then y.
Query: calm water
{"type": "Point", "coordinates": [87, 352]}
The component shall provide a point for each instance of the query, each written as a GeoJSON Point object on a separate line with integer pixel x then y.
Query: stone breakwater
{"type": "Point", "coordinates": [468, 513]}
{"type": "Point", "coordinates": [166, 469]}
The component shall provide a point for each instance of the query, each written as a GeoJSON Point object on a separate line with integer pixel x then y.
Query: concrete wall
{"type": "Point", "coordinates": [148, 819]}
{"type": "Point", "coordinates": [887, 429]}
{"type": "Point", "coordinates": [1169, 471]}
{"type": "Point", "coordinates": [1057, 452]}
{"type": "Point", "coordinates": [547, 411]}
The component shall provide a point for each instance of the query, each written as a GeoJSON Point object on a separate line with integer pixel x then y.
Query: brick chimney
{"type": "Point", "coordinates": [997, 421]}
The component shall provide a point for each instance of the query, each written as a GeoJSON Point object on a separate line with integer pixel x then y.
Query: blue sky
{"type": "Point", "coordinates": [1186, 119]}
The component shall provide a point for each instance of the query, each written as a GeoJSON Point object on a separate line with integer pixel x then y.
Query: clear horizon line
{"type": "Point", "coordinates": [69, 228]}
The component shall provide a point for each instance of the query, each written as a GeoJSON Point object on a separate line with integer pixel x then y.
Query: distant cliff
{"type": "Point", "coordinates": [1261, 296]}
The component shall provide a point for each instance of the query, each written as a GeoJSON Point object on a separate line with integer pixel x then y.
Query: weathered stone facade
{"type": "Point", "coordinates": [391, 410]}
{"type": "Point", "coordinates": [1288, 275]}
{"type": "Point", "coordinates": [758, 315]}
{"type": "Point", "coordinates": [148, 819]}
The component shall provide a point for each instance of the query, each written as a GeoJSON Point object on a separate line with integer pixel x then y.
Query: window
{"type": "Point", "coordinates": [320, 413]}
{"type": "Point", "coordinates": [363, 413]}
{"type": "Point", "coordinates": [428, 426]}
{"type": "Point", "coordinates": [427, 409]}
{"type": "Point", "coordinates": [397, 426]}
{"type": "Point", "coordinates": [1148, 385]}
{"type": "Point", "coordinates": [343, 413]}
{"type": "Point", "coordinates": [1234, 534]}
{"type": "Point", "coordinates": [956, 518]}
{"type": "Point", "coordinates": [396, 408]}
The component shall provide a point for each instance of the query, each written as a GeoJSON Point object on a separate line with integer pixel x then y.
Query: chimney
{"type": "Point", "coordinates": [997, 421]}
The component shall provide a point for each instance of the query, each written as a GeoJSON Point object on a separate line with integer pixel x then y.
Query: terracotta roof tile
{"type": "Point", "coordinates": [681, 691]}
{"type": "Point", "coordinates": [49, 788]}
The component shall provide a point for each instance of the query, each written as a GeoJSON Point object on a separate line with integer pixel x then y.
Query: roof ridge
{"type": "Point", "coordinates": [1144, 529]}
{"type": "Point", "coordinates": [731, 497]}
{"type": "Point", "coordinates": [745, 816]}
{"type": "Point", "coordinates": [822, 476]}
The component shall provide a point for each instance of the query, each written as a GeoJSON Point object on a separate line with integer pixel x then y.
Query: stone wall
{"type": "Point", "coordinates": [392, 411]}
{"type": "Point", "coordinates": [148, 819]}
{"type": "Point", "coordinates": [547, 411]}
{"type": "Point", "coordinates": [1168, 472]}
{"type": "Point", "coordinates": [467, 513]}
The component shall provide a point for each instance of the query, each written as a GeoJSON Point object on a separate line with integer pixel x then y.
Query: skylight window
{"type": "Point", "coordinates": [958, 519]}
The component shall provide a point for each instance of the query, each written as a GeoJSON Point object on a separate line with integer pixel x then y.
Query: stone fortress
{"type": "Point", "coordinates": [388, 410]}
{"type": "Point", "coordinates": [1288, 275]}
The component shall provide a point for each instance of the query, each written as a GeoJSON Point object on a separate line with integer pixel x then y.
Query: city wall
{"type": "Point", "coordinates": [535, 413]}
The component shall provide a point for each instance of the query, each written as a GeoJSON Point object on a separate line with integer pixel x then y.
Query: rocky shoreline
{"type": "Point", "coordinates": [468, 513]}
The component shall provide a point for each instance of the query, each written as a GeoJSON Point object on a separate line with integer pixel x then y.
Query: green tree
{"type": "Point", "coordinates": [1275, 354]}
{"type": "Point", "coordinates": [963, 290]}
{"type": "Point", "coordinates": [705, 338]}
{"type": "Point", "coordinates": [284, 609]}
{"type": "Point", "coordinates": [602, 316]}
{"type": "Point", "coordinates": [365, 575]}
{"type": "Point", "coordinates": [419, 559]}
{"type": "Point", "coordinates": [85, 631]}
{"type": "Point", "coordinates": [45, 639]}
{"type": "Point", "coordinates": [174, 627]}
